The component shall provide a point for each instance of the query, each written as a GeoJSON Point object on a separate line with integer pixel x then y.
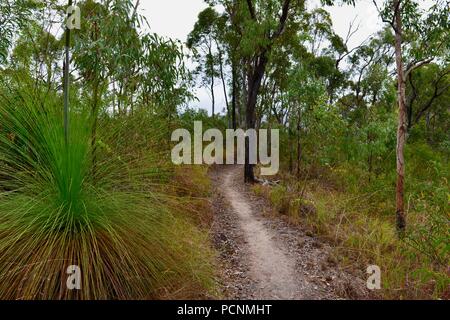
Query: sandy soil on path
{"type": "Point", "coordinates": [264, 257]}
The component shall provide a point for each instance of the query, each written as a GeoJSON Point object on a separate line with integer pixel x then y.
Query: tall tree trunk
{"type": "Point", "coordinates": [428, 128]}
{"type": "Point", "coordinates": [370, 156]}
{"type": "Point", "coordinates": [254, 85]}
{"type": "Point", "coordinates": [401, 132]}
{"type": "Point", "coordinates": [299, 146]}
{"type": "Point", "coordinates": [257, 69]}
{"type": "Point", "coordinates": [213, 97]}
{"type": "Point", "coordinates": [243, 95]}
{"type": "Point", "coordinates": [291, 150]}
{"type": "Point", "coordinates": [234, 94]}
{"type": "Point", "coordinates": [224, 85]}
{"type": "Point", "coordinates": [114, 99]}
{"type": "Point", "coordinates": [212, 81]}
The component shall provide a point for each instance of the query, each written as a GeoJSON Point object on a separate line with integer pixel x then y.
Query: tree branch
{"type": "Point", "coordinates": [417, 64]}
{"type": "Point", "coordinates": [283, 18]}
{"type": "Point", "coordinates": [437, 93]}
{"type": "Point", "coordinates": [251, 9]}
{"type": "Point", "coordinates": [135, 10]}
{"type": "Point", "coordinates": [390, 22]}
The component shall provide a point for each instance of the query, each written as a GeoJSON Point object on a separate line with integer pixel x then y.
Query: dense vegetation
{"type": "Point", "coordinates": [364, 135]}
{"type": "Point", "coordinates": [345, 115]}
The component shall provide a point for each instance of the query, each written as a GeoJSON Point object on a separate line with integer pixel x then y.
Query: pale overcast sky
{"type": "Point", "coordinates": [176, 18]}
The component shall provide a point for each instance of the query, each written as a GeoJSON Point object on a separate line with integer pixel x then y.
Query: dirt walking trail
{"type": "Point", "coordinates": [270, 266]}
{"type": "Point", "coordinates": [263, 257]}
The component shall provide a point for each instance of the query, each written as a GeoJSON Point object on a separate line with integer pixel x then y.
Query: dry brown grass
{"type": "Point", "coordinates": [361, 235]}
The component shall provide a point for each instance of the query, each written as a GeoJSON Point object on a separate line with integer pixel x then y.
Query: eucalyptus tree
{"type": "Point", "coordinates": [14, 15]}
{"type": "Point", "coordinates": [369, 66]}
{"type": "Point", "coordinates": [165, 81]}
{"type": "Point", "coordinates": [106, 46]}
{"type": "Point", "coordinates": [419, 37]}
{"type": "Point", "coordinates": [428, 94]}
{"type": "Point", "coordinates": [258, 27]}
{"type": "Point", "coordinates": [204, 43]}
{"type": "Point", "coordinates": [232, 35]}
{"type": "Point", "coordinates": [223, 42]}
{"type": "Point", "coordinates": [305, 92]}
{"type": "Point", "coordinates": [36, 53]}
{"type": "Point", "coordinates": [265, 23]}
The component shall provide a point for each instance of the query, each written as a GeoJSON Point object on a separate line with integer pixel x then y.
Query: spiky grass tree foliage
{"type": "Point", "coordinates": [53, 214]}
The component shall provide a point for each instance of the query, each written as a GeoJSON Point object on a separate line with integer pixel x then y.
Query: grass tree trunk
{"type": "Point", "coordinates": [401, 131]}
{"type": "Point", "coordinates": [66, 81]}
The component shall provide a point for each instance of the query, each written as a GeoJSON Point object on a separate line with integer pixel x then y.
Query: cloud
{"type": "Point", "coordinates": [172, 18]}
